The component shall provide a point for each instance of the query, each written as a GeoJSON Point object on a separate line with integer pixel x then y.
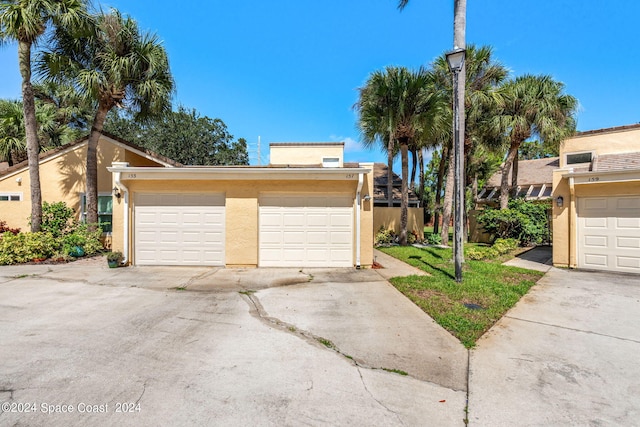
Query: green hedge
{"type": "Point", "coordinates": [524, 221]}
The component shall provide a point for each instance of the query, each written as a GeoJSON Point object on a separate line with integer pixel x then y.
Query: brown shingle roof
{"type": "Point", "coordinates": [609, 130]}
{"type": "Point", "coordinates": [380, 184]}
{"type": "Point", "coordinates": [530, 172]}
{"type": "Point", "coordinates": [613, 162]}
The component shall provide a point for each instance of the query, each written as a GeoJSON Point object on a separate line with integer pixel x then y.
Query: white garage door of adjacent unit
{"type": "Point", "coordinates": [179, 229]}
{"type": "Point", "coordinates": [306, 231]}
{"type": "Point", "coordinates": [609, 233]}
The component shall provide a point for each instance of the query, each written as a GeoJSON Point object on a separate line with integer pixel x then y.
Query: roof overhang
{"type": "Point", "coordinates": [237, 173]}
{"type": "Point", "coordinates": [595, 177]}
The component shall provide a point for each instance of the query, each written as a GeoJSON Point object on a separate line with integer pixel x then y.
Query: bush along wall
{"type": "Point", "coordinates": [524, 221]}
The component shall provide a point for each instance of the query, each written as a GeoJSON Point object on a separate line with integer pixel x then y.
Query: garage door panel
{"type": "Point", "coordinates": [609, 233]}
{"type": "Point", "coordinates": [340, 238]}
{"type": "Point", "coordinates": [628, 262]}
{"type": "Point", "coordinates": [317, 237]}
{"type": "Point", "coordinates": [309, 229]}
{"type": "Point", "coordinates": [632, 223]}
{"type": "Point", "coordinates": [595, 222]}
{"type": "Point", "coordinates": [595, 241]}
{"type": "Point", "coordinates": [179, 229]}
{"type": "Point", "coordinates": [628, 242]}
{"type": "Point", "coordinates": [630, 203]}
{"type": "Point", "coordinates": [294, 238]}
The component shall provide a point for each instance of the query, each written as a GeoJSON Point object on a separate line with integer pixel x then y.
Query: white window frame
{"type": "Point", "coordinates": [83, 211]}
{"type": "Point", "coordinates": [331, 162]}
{"type": "Point", "coordinates": [11, 197]}
{"type": "Point", "coordinates": [566, 155]}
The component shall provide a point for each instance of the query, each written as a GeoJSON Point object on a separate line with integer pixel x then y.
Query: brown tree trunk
{"type": "Point", "coordinates": [504, 182]}
{"type": "Point", "coordinates": [441, 171]}
{"type": "Point", "coordinates": [31, 132]}
{"type": "Point", "coordinates": [514, 176]}
{"type": "Point", "coordinates": [414, 166]}
{"type": "Point", "coordinates": [447, 205]}
{"type": "Point", "coordinates": [390, 171]}
{"type": "Point", "coordinates": [92, 166]}
{"type": "Point", "coordinates": [404, 200]}
{"type": "Point", "coordinates": [421, 177]}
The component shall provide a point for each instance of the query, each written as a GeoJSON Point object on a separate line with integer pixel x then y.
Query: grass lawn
{"type": "Point", "coordinates": [488, 284]}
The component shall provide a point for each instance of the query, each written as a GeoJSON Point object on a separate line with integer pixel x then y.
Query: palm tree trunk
{"type": "Point", "coordinates": [447, 205]}
{"type": "Point", "coordinates": [514, 176]}
{"type": "Point", "coordinates": [441, 171]}
{"type": "Point", "coordinates": [504, 183]}
{"type": "Point", "coordinates": [390, 171]}
{"type": "Point", "coordinates": [414, 166]}
{"type": "Point", "coordinates": [404, 201]}
{"type": "Point", "coordinates": [421, 177]}
{"type": "Point", "coordinates": [31, 132]}
{"type": "Point", "coordinates": [92, 166]}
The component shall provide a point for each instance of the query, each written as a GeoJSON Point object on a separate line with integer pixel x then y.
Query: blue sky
{"type": "Point", "coordinates": [289, 70]}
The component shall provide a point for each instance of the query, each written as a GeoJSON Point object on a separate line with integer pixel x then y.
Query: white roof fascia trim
{"type": "Point", "coordinates": [594, 177]}
{"type": "Point", "coordinates": [226, 173]}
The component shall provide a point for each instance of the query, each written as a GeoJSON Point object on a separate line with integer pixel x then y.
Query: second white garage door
{"type": "Point", "coordinates": [179, 229]}
{"type": "Point", "coordinates": [306, 231]}
{"type": "Point", "coordinates": [609, 233]}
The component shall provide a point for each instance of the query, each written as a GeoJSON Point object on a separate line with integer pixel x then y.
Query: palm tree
{"type": "Point", "coordinates": [376, 120]}
{"type": "Point", "coordinates": [484, 74]}
{"type": "Point", "coordinates": [397, 104]}
{"type": "Point", "coordinates": [25, 21]}
{"type": "Point", "coordinates": [532, 106]}
{"type": "Point", "coordinates": [12, 140]}
{"type": "Point", "coordinates": [115, 66]}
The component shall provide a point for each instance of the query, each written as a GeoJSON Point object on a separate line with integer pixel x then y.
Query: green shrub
{"type": "Point", "coordinates": [25, 247]}
{"type": "Point", "coordinates": [383, 237]}
{"type": "Point", "coordinates": [478, 253]}
{"type": "Point", "coordinates": [434, 239]}
{"type": "Point", "coordinates": [503, 246]}
{"type": "Point", "coordinates": [81, 236]}
{"type": "Point", "coordinates": [524, 221]}
{"type": "Point", "coordinates": [57, 218]}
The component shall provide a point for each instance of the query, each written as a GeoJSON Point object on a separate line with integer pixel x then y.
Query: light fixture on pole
{"type": "Point", "coordinates": [455, 59]}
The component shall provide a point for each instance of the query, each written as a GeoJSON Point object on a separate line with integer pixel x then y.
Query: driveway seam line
{"type": "Point", "coordinates": [575, 330]}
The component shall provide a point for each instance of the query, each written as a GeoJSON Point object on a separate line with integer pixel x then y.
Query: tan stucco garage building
{"type": "Point", "coordinates": [596, 209]}
{"type": "Point", "coordinates": [306, 209]}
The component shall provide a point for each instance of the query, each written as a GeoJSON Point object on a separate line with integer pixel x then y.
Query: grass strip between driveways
{"type": "Point", "coordinates": [489, 287]}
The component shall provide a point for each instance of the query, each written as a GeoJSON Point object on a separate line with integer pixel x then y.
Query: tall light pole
{"type": "Point", "coordinates": [455, 59]}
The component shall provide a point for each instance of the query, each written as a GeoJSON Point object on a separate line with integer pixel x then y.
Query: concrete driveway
{"type": "Point", "coordinates": [566, 354]}
{"type": "Point", "coordinates": [81, 344]}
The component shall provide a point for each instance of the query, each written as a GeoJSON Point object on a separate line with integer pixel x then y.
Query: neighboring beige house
{"type": "Point", "coordinates": [389, 217]}
{"type": "Point", "coordinates": [596, 209]}
{"type": "Point", "coordinates": [306, 209]}
{"type": "Point", "coordinates": [62, 178]}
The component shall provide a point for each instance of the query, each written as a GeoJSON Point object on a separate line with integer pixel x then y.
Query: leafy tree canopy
{"type": "Point", "coordinates": [184, 136]}
{"type": "Point", "coordinates": [530, 150]}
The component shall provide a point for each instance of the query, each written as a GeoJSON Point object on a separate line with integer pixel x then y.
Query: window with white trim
{"type": "Point", "coordinates": [578, 158]}
{"type": "Point", "coordinates": [10, 197]}
{"type": "Point", "coordinates": [105, 211]}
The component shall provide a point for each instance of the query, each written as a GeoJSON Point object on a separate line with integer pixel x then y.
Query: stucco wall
{"type": "Point", "coordinates": [389, 218]}
{"type": "Point", "coordinates": [241, 211]}
{"type": "Point", "coordinates": [62, 178]}
{"type": "Point", "coordinates": [565, 218]}
{"type": "Point", "coordinates": [304, 154]}
{"type": "Point", "coordinates": [601, 143]}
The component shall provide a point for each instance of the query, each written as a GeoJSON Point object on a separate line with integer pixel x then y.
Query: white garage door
{"type": "Point", "coordinates": [179, 229]}
{"type": "Point", "coordinates": [304, 231]}
{"type": "Point", "coordinates": [609, 233]}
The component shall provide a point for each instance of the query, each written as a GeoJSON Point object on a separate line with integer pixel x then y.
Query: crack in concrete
{"type": "Point", "coordinates": [376, 400]}
{"type": "Point", "coordinates": [258, 311]}
{"type": "Point", "coordinates": [574, 329]}
{"type": "Point", "coordinates": [144, 388]}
